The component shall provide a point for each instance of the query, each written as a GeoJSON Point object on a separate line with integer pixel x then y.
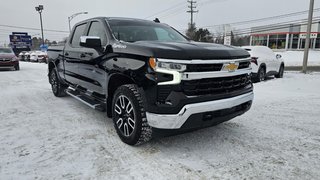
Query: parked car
{"type": "Point", "coordinates": [8, 59]}
{"type": "Point", "coordinates": [22, 56]}
{"type": "Point", "coordinates": [38, 56]}
{"type": "Point", "coordinates": [265, 62]}
{"type": "Point", "coordinates": [27, 55]}
{"type": "Point", "coordinates": [149, 78]}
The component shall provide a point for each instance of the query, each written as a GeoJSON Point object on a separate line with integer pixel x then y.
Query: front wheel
{"type": "Point", "coordinates": [57, 87]}
{"type": "Point", "coordinates": [17, 67]}
{"type": "Point", "coordinates": [129, 116]}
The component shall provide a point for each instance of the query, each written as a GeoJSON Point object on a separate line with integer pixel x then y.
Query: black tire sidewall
{"type": "Point", "coordinates": [261, 69]}
{"type": "Point", "coordinates": [17, 67]}
{"type": "Point", "coordinates": [60, 90]}
{"type": "Point", "coordinates": [138, 115]}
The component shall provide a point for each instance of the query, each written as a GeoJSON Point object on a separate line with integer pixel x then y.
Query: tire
{"type": "Point", "coordinates": [281, 71]}
{"type": "Point", "coordinates": [129, 116]}
{"type": "Point", "coordinates": [58, 89]}
{"type": "Point", "coordinates": [17, 67]}
{"type": "Point", "coordinates": [261, 74]}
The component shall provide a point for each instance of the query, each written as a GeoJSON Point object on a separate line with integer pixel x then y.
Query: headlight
{"type": "Point", "coordinates": [154, 64]}
{"type": "Point", "coordinates": [14, 59]}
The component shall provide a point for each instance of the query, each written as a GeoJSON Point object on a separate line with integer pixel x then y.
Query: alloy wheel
{"type": "Point", "coordinates": [124, 115]}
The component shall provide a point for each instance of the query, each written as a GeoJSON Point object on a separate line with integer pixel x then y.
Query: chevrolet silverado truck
{"type": "Point", "coordinates": [149, 78]}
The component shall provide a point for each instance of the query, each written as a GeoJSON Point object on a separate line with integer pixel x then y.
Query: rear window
{"type": "Point", "coordinates": [5, 50]}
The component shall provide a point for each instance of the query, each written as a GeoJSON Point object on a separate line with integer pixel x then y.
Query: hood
{"type": "Point", "coordinates": [181, 50]}
{"type": "Point", "coordinates": [6, 55]}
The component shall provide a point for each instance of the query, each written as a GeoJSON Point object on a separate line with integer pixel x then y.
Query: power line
{"type": "Point", "coordinates": [30, 28]}
{"type": "Point", "coordinates": [279, 25]}
{"type": "Point", "coordinates": [265, 19]}
{"type": "Point", "coordinates": [316, 21]}
{"type": "Point", "coordinates": [166, 10]}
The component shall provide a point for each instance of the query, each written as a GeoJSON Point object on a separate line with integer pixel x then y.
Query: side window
{"type": "Point", "coordinates": [78, 32]}
{"type": "Point", "coordinates": [97, 29]}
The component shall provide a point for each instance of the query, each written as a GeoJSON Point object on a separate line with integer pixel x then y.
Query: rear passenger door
{"type": "Point", "coordinates": [72, 54]}
{"type": "Point", "coordinates": [272, 59]}
{"type": "Point", "coordinates": [95, 76]}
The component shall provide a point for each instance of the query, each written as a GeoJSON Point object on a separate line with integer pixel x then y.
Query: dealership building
{"type": "Point", "coordinates": [289, 37]}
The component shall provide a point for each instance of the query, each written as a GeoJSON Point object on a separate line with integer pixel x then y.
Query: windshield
{"type": "Point", "coordinates": [135, 30]}
{"type": "Point", "coordinates": [6, 50]}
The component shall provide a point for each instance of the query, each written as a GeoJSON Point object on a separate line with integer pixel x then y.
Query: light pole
{"type": "Point", "coordinates": [307, 44]}
{"type": "Point", "coordinates": [40, 9]}
{"type": "Point", "coordinates": [73, 16]}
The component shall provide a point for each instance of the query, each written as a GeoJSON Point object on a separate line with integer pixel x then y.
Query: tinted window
{"type": "Point", "coordinates": [97, 29]}
{"type": "Point", "coordinates": [6, 50]}
{"type": "Point", "coordinates": [79, 31]}
{"type": "Point", "coordinates": [135, 30]}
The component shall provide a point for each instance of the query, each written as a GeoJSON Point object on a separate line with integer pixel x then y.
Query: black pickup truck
{"type": "Point", "coordinates": [150, 78]}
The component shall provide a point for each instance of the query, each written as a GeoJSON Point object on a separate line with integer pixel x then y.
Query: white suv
{"type": "Point", "coordinates": [264, 62]}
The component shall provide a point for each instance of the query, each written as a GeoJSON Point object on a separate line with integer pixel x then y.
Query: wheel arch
{"type": "Point", "coordinates": [114, 82]}
{"type": "Point", "coordinates": [263, 65]}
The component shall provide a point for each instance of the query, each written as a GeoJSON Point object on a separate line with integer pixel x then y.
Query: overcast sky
{"type": "Point", "coordinates": [211, 12]}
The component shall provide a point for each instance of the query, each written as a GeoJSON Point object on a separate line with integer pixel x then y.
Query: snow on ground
{"type": "Point", "coordinates": [44, 137]}
{"type": "Point", "coordinates": [295, 58]}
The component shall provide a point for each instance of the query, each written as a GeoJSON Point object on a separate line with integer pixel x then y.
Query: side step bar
{"type": "Point", "coordinates": [85, 99]}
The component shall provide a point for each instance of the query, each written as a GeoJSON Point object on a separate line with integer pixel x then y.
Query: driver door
{"type": "Point", "coordinates": [93, 75]}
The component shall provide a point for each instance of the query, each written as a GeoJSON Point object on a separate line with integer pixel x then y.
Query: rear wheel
{"type": "Point", "coordinates": [57, 87]}
{"type": "Point", "coordinates": [129, 115]}
{"type": "Point", "coordinates": [261, 76]}
{"type": "Point", "coordinates": [280, 73]}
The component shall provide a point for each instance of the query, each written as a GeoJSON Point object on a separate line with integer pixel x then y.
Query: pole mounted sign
{"type": "Point", "coordinates": [20, 40]}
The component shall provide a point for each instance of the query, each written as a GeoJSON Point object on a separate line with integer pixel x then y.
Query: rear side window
{"type": "Point", "coordinates": [78, 32]}
{"type": "Point", "coordinates": [97, 29]}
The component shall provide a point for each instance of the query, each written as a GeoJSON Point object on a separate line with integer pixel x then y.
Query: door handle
{"type": "Point", "coordinates": [66, 54]}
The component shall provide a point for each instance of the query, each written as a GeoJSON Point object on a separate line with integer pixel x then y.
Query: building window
{"type": "Point", "coordinates": [273, 41]}
{"type": "Point", "coordinates": [259, 40]}
{"type": "Point", "coordinates": [281, 41]}
{"type": "Point", "coordinates": [277, 41]}
{"type": "Point", "coordinates": [295, 41]}
{"type": "Point", "coordinates": [318, 42]}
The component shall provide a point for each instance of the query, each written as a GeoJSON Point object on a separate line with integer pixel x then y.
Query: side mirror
{"type": "Point", "coordinates": [90, 42]}
{"type": "Point", "coordinates": [278, 56]}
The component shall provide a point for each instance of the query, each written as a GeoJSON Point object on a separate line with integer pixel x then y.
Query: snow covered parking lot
{"type": "Point", "coordinates": [44, 137]}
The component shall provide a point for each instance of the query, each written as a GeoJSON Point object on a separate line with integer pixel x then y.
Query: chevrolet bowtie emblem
{"type": "Point", "coordinates": [231, 67]}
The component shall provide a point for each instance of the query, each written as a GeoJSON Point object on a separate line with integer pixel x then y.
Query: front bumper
{"type": "Point", "coordinates": [8, 64]}
{"type": "Point", "coordinates": [207, 110]}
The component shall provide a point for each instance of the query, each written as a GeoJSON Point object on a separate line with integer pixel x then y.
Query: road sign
{"type": "Point", "coordinates": [227, 40]}
{"type": "Point", "coordinates": [312, 35]}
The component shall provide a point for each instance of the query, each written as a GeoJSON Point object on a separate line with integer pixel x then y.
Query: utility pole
{"type": "Point", "coordinates": [307, 45]}
{"type": "Point", "coordinates": [192, 10]}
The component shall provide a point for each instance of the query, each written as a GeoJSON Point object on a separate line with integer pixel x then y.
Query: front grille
{"type": "Point", "coordinates": [162, 93]}
{"type": "Point", "coordinates": [5, 59]}
{"type": "Point", "coordinates": [215, 85]}
{"type": "Point", "coordinates": [203, 67]}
